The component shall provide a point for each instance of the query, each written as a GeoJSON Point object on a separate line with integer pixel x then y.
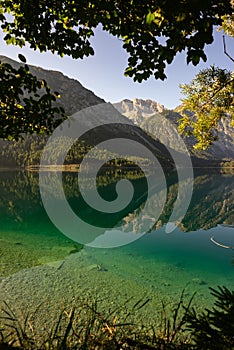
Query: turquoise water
{"type": "Point", "coordinates": [39, 263]}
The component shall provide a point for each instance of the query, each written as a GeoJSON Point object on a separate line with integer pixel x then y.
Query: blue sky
{"type": "Point", "coordinates": [103, 72]}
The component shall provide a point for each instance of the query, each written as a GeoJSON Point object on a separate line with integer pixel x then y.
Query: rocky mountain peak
{"type": "Point", "coordinates": [144, 114]}
{"type": "Point", "coordinates": [138, 109]}
{"type": "Point", "coordinates": [147, 106]}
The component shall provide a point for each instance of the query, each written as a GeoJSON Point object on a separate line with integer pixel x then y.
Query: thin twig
{"type": "Point", "coordinates": [225, 49]}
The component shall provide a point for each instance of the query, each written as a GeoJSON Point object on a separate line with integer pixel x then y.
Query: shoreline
{"type": "Point", "coordinates": [75, 167]}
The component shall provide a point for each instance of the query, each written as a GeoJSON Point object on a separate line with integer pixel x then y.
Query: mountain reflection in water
{"type": "Point", "coordinates": [26, 228]}
{"type": "Point", "coordinates": [212, 201]}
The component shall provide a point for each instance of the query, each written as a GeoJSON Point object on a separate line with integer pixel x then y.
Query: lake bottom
{"type": "Point", "coordinates": [153, 269]}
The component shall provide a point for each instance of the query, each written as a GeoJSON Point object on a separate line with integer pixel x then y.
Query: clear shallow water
{"type": "Point", "coordinates": [159, 265]}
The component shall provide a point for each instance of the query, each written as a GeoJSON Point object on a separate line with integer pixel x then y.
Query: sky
{"type": "Point", "coordinates": [103, 73]}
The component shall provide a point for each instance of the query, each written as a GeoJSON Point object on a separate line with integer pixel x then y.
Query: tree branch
{"type": "Point", "coordinates": [214, 94]}
{"type": "Point", "coordinates": [225, 50]}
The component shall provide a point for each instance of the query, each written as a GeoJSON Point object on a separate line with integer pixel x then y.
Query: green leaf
{"type": "Point", "coordinates": [149, 18]}
{"type": "Point", "coordinates": [22, 58]}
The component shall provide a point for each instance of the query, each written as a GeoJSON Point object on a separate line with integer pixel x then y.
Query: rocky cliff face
{"type": "Point", "coordinates": [138, 110]}
{"type": "Point", "coordinates": [144, 113]}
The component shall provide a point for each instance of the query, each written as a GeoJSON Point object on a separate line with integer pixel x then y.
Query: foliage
{"type": "Point", "coordinates": [84, 327]}
{"type": "Point", "coordinates": [227, 166]}
{"type": "Point", "coordinates": [152, 32]}
{"type": "Point", "coordinates": [173, 324]}
{"type": "Point", "coordinates": [228, 22]}
{"type": "Point", "coordinates": [208, 98]}
{"type": "Point", "coordinates": [27, 152]}
{"type": "Point", "coordinates": [26, 104]}
{"type": "Point", "coordinates": [214, 329]}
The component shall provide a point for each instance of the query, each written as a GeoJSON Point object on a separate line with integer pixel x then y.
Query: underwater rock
{"type": "Point", "coordinates": [96, 267]}
{"type": "Point", "coordinates": [199, 281]}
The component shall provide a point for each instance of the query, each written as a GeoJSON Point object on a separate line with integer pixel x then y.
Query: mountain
{"type": "Point", "coordinates": [138, 110]}
{"type": "Point", "coordinates": [145, 113]}
{"type": "Point", "coordinates": [214, 207]}
{"type": "Point", "coordinates": [138, 119]}
{"type": "Point", "coordinates": [75, 97]}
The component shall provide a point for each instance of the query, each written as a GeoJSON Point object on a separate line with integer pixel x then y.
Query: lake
{"type": "Point", "coordinates": [42, 266]}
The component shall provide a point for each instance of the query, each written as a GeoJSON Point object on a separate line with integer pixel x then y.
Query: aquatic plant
{"type": "Point", "coordinates": [83, 326]}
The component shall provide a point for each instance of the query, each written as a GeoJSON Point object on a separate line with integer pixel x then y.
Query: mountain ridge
{"type": "Point", "coordinates": [74, 98]}
{"type": "Point", "coordinates": [139, 112]}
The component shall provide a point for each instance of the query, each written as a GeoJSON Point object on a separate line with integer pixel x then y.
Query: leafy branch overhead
{"type": "Point", "coordinates": [152, 32]}
{"type": "Point", "coordinates": [26, 104]}
{"type": "Point", "coordinates": [208, 98]}
{"type": "Point", "coordinates": [228, 22]}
